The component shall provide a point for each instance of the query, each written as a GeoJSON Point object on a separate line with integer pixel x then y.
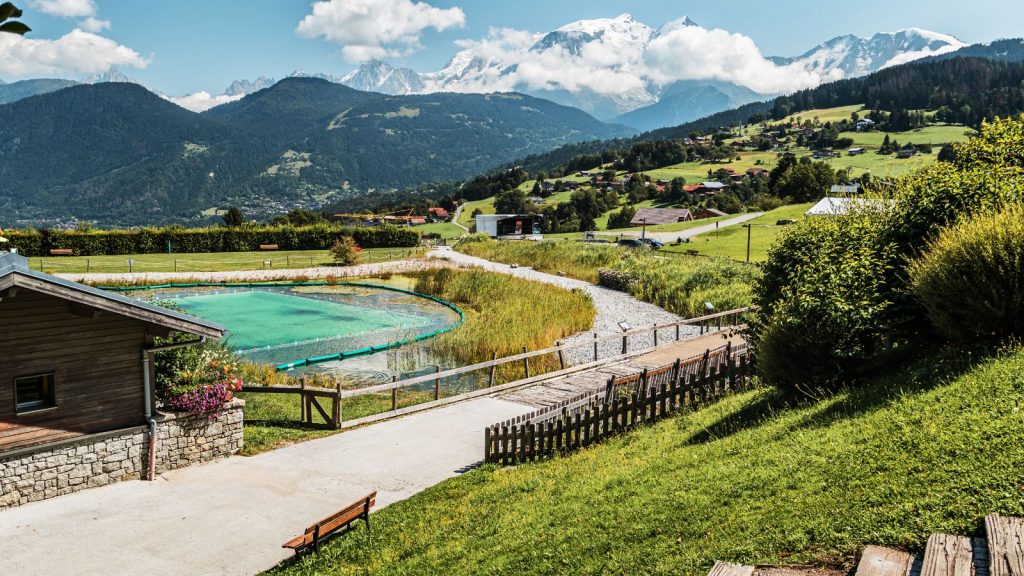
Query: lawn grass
{"type": "Point", "coordinates": [209, 262]}
{"type": "Point", "coordinates": [485, 206]}
{"type": "Point", "coordinates": [731, 242]}
{"type": "Point", "coordinates": [755, 479]}
{"type": "Point", "coordinates": [447, 230]}
{"type": "Point", "coordinates": [573, 259]}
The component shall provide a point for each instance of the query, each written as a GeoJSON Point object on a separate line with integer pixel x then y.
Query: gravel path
{"type": "Point", "coordinates": [612, 307]}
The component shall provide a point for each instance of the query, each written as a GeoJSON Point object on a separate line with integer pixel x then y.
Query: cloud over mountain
{"type": "Point", "coordinates": [368, 29]}
{"type": "Point", "coordinates": [76, 53]}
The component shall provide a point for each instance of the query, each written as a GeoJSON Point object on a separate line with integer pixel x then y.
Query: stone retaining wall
{"type": "Point", "coordinates": [68, 466]}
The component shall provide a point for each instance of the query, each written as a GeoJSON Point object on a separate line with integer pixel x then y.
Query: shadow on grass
{"type": "Point", "coordinates": [919, 373]}
{"type": "Point", "coordinates": [287, 425]}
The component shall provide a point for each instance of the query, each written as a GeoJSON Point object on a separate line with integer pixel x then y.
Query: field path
{"type": "Point", "coordinates": [455, 217]}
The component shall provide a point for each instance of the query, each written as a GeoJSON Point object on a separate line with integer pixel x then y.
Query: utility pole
{"type": "Point", "coordinates": [748, 226]}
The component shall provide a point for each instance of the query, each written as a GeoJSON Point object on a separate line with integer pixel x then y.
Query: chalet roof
{"type": "Point", "coordinates": [713, 212]}
{"type": "Point", "coordinates": [845, 189]}
{"type": "Point", "coordinates": [831, 206]}
{"type": "Point", "coordinates": [660, 216]}
{"type": "Point", "coordinates": [714, 185]}
{"type": "Point", "coordinates": [15, 273]}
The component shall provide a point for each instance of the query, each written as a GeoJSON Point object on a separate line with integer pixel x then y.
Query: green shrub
{"type": "Point", "coordinates": [344, 251]}
{"type": "Point", "coordinates": [822, 301]}
{"type": "Point", "coordinates": [970, 278]}
{"type": "Point", "coordinates": [219, 239]}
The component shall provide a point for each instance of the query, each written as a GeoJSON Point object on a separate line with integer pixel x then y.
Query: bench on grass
{"type": "Point", "coordinates": [61, 252]}
{"type": "Point", "coordinates": [268, 246]}
{"type": "Point", "coordinates": [342, 519]}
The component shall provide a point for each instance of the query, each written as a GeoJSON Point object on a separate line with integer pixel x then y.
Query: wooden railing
{"type": "Point", "coordinates": [309, 395]}
{"type": "Point", "coordinates": [658, 394]}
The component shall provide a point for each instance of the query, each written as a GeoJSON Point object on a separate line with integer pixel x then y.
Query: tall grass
{"type": "Point", "coordinates": [504, 314]}
{"type": "Point", "coordinates": [574, 259]}
{"type": "Point", "coordinates": [684, 285]}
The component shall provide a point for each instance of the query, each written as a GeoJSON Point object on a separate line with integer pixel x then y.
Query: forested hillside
{"type": "Point", "coordinates": [119, 154]}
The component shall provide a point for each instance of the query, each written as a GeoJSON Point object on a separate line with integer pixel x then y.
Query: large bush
{"type": "Point", "coordinates": [970, 279]}
{"type": "Point", "coordinates": [193, 240]}
{"type": "Point", "coordinates": [822, 298]}
{"type": "Point", "coordinates": [836, 296]}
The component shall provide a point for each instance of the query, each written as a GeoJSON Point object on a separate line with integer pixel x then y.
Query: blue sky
{"type": "Point", "coordinates": [184, 46]}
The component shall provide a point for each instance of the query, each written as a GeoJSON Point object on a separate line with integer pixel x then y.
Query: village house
{"type": "Point", "coordinates": [906, 153]}
{"type": "Point", "coordinates": [844, 189]}
{"type": "Point", "coordinates": [854, 151]}
{"type": "Point", "coordinates": [652, 216]}
{"type": "Point", "coordinates": [77, 401]}
{"type": "Point", "coordinates": [438, 213]}
{"type": "Point", "coordinates": [865, 125]}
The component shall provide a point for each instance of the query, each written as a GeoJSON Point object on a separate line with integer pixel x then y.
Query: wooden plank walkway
{"type": "Point", "coordinates": [551, 392]}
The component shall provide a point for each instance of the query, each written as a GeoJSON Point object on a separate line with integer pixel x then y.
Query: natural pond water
{"type": "Point", "coordinates": [282, 324]}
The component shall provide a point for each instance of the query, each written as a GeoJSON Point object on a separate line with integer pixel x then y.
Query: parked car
{"type": "Point", "coordinates": [632, 243]}
{"type": "Point", "coordinates": [654, 244]}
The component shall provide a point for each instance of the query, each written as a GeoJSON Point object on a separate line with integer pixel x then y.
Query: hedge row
{"type": "Point", "coordinates": [191, 240]}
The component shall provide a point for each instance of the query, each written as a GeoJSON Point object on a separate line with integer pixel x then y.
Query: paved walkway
{"type": "Point", "coordinates": [231, 516]}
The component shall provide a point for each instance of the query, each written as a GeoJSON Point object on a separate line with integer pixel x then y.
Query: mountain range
{"type": "Point", "coordinates": [611, 68]}
{"type": "Point", "coordinates": [119, 154]}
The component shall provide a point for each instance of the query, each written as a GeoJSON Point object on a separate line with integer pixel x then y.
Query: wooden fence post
{"type": "Point", "coordinates": [303, 409]}
{"type": "Point", "coordinates": [437, 384]}
{"type": "Point", "coordinates": [526, 363]}
{"type": "Point", "coordinates": [624, 344]}
{"type": "Point", "coordinates": [561, 356]}
{"type": "Point", "coordinates": [494, 367]}
{"type": "Point", "coordinates": [487, 445]}
{"type": "Point", "coordinates": [677, 332]}
{"type": "Point", "coordinates": [394, 394]}
{"type": "Point", "coordinates": [595, 346]}
{"type": "Point", "coordinates": [336, 407]}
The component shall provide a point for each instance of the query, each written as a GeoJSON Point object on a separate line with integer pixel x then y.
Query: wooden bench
{"type": "Point", "coordinates": [269, 246]}
{"type": "Point", "coordinates": [342, 519]}
{"type": "Point", "coordinates": [61, 252]}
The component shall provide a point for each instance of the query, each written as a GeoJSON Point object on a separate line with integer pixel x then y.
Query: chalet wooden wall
{"type": "Point", "coordinates": [97, 364]}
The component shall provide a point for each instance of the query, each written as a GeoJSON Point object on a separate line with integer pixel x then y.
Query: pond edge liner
{"type": "Point", "coordinates": [329, 357]}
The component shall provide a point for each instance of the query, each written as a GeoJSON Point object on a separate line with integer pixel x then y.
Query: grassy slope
{"type": "Point", "coordinates": [445, 229]}
{"type": "Point", "coordinates": [207, 262]}
{"type": "Point", "coordinates": [731, 242]}
{"type": "Point", "coordinates": [751, 479]}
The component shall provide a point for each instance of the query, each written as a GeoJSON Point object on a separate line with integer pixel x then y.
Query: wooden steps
{"type": "Point", "coordinates": [881, 561]}
{"type": "Point", "coordinates": [1005, 545]}
{"type": "Point", "coordinates": [948, 556]}
{"type": "Point", "coordinates": [729, 569]}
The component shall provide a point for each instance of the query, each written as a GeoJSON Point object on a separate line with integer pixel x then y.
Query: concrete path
{"type": "Point", "coordinates": [231, 516]}
{"type": "Point", "coordinates": [667, 237]}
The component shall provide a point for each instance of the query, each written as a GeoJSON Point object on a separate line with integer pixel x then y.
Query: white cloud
{"type": "Point", "coordinates": [201, 101]}
{"type": "Point", "coordinates": [65, 8]}
{"type": "Point", "coordinates": [74, 54]}
{"type": "Point", "coordinates": [695, 53]}
{"type": "Point", "coordinates": [93, 24]}
{"type": "Point", "coordinates": [368, 29]}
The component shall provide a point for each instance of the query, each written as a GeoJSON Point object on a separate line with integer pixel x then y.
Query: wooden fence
{"type": "Point", "coordinates": [627, 402]}
{"type": "Point", "coordinates": [309, 396]}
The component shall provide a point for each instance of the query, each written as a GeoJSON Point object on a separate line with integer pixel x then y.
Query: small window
{"type": "Point", "coordinates": [34, 393]}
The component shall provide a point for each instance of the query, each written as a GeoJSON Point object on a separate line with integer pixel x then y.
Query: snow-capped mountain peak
{"type": "Point", "coordinates": [673, 25]}
{"type": "Point", "coordinates": [379, 76]}
{"type": "Point", "coordinates": [850, 56]}
{"type": "Point", "coordinates": [243, 87]}
{"type": "Point", "coordinates": [111, 74]}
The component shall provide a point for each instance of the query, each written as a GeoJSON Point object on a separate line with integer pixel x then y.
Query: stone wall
{"type": "Point", "coordinates": [99, 459]}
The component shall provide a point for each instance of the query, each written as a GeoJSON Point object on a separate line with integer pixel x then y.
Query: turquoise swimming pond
{"type": "Point", "coordinates": [283, 324]}
{"type": "Point", "coordinates": [261, 318]}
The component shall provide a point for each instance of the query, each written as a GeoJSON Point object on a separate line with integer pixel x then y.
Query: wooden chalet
{"type": "Point", "coordinates": [76, 360]}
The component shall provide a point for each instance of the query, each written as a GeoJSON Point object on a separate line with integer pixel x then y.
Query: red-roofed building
{"type": "Point", "coordinates": [438, 212]}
